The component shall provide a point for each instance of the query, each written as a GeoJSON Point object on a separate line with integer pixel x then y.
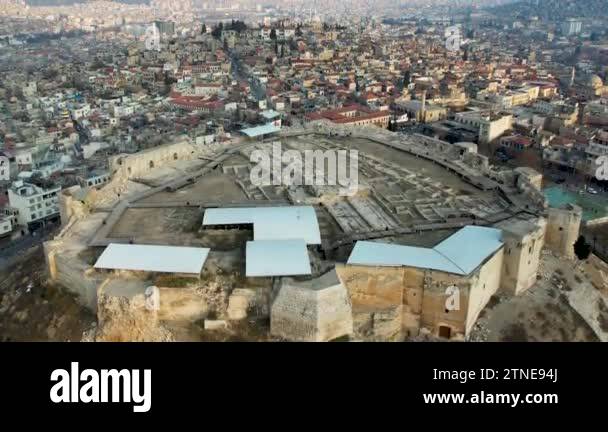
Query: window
{"type": "Point", "coordinates": [33, 216]}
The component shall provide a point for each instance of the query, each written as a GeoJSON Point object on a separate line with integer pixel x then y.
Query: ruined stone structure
{"type": "Point", "coordinates": [315, 310]}
{"type": "Point", "coordinates": [529, 176]}
{"type": "Point", "coordinates": [563, 228]}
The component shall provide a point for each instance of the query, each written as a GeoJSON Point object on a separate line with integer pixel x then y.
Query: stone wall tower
{"type": "Point", "coordinates": [563, 229]}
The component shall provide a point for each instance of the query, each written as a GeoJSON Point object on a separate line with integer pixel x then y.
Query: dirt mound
{"type": "Point", "coordinates": [127, 320]}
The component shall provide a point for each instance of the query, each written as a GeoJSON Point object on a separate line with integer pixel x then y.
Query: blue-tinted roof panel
{"type": "Point", "coordinates": [461, 253]}
{"type": "Point", "coordinates": [470, 246]}
{"type": "Point", "coordinates": [391, 255]}
{"type": "Point", "coordinates": [265, 258]}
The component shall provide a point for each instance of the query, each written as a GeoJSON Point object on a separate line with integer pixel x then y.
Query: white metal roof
{"type": "Point", "coordinates": [460, 253]}
{"type": "Point", "coordinates": [277, 258]}
{"type": "Point", "coordinates": [260, 130]}
{"type": "Point", "coordinates": [392, 255]}
{"type": "Point", "coordinates": [470, 246]}
{"type": "Point", "coordinates": [163, 259]}
{"type": "Point", "coordinates": [270, 223]}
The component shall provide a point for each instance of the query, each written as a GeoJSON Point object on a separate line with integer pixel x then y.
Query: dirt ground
{"type": "Point", "coordinates": [213, 187]}
{"type": "Point", "coordinates": [558, 308]}
{"type": "Point", "coordinates": [32, 310]}
{"type": "Point", "coordinates": [165, 225]}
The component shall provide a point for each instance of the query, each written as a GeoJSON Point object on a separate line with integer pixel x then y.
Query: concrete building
{"type": "Point", "coordinates": [6, 225]}
{"type": "Point", "coordinates": [33, 203]}
{"type": "Point", "coordinates": [421, 111]}
{"type": "Point", "coordinates": [94, 179]}
{"type": "Point", "coordinates": [491, 126]}
{"type": "Point", "coordinates": [166, 28]}
{"type": "Point", "coordinates": [571, 27]}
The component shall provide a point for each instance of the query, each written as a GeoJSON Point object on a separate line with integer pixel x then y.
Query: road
{"type": "Point", "coordinates": [258, 90]}
{"type": "Point", "coordinates": [11, 251]}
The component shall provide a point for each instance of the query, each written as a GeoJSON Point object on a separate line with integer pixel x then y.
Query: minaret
{"type": "Point", "coordinates": [573, 76]}
{"type": "Point", "coordinates": [423, 108]}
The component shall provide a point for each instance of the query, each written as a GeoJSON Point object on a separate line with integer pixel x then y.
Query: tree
{"type": "Point", "coordinates": [293, 45]}
{"type": "Point", "coordinates": [217, 31]}
{"type": "Point", "coordinates": [582, 249]}
{"type": "Point", "coordinates": [203, 29]}
{"type": "Point", "coordinates": [282, 50]}
{"type": "Point", "coordinates": [407, 78]}
{"type": "Point", "coordinates": [273, 34]}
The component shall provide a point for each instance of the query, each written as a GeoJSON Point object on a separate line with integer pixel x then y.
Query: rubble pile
{"type": "Point", "coordinates": [120, 319]}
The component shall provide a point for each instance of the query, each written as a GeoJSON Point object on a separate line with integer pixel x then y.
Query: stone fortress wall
{"type": "Point", "coordinates": [383, 303]}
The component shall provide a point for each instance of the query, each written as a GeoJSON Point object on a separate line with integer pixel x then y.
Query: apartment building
{"type": "Point", "coordinates": [33, 203]}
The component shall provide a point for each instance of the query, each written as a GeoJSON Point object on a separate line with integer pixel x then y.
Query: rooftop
{"type": "Point", "coordinates": [277, 258]}
{"type": "Point", "coordinates": [163, 259]}
{"type": "Point", "coordinates": [260, 130]}
{"type": "Point", "coordinates": [460, 253]}
{"type": "Point", "coordinates": [270, 223]}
